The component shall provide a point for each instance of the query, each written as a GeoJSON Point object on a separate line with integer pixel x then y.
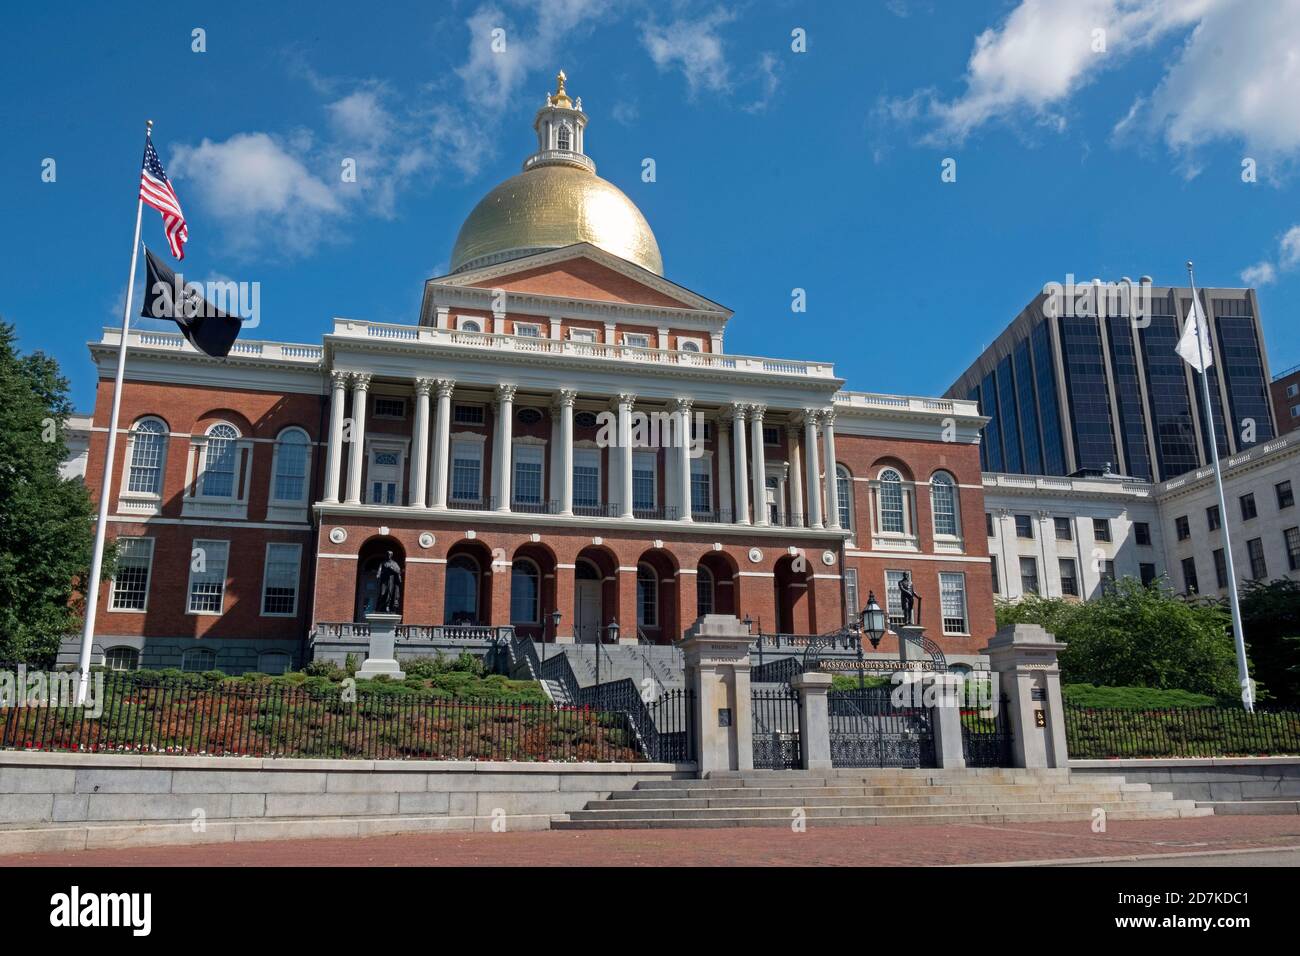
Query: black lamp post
{"type": "Point", "coordinates": [555, 632]}
{"type": "Point", "coordinates": [855, 634]}
{"type": "Point", "coordinates": [749, 626]}
{"type": "Point", "coordinates": [612, 629]}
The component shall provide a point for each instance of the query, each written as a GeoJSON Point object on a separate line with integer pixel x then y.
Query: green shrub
{"type": "Point", "coordinates": [1133, 698]}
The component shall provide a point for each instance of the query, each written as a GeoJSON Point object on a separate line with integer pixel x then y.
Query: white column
{"type": "Point", "coordinates": [565, 451]}
{"type": "Point", "coordinates": [441, 444]}
{"type": "Point", "coordinates": [813, 476]}
{"type": "Point", "coordinates": [741, 461]}
{"type": "Point", "coordinates": [723, 444]}
{"type": "Point", "coordinates": [832, 485]}
{"type": "Point", "coordinates": [682, 407]}
{"type": "Point", "coordinates": [360, 386]}
{"type": "Point", "coordinates": [420, 445]}
{"type": "Point", "coordinates": [503, 452]}
{"type": "Point", "coordinates": [625, 402]}
{"type": "Point", "coordinates": [756, 413]}
{"type": "Point", "coordinates": [334, 451]}
{"type": "Point", "coordinates": [796, 476]}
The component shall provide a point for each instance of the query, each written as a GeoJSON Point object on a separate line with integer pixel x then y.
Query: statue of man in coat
{"type": "Point", "coordinates": [389, 576]}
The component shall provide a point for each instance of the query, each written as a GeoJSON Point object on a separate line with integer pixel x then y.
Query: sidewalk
{"type": "Point", "coordinates": [846, 846]}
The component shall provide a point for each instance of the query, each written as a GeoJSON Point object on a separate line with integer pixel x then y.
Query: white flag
{"type": "Point", "coordinates": [1194, 346]}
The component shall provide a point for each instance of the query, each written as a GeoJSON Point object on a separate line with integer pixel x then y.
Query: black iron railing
{"type": "Point", "coordinates": [775, 728]}
{"type": "Point", "coordinates": [535, 507]}
{"type": "Point", "coordinates": [666, 513]}
{"type": "Point", "coordinates": [598, 511]}
{"type": "Point", "coordinates": [1102, 733]}
{"type": "Point", "coordinates": [986, 736]}
{"type": "Point", "coordinates": [488, 503]}
{"type": "Point", "coordinates": [868, 729]}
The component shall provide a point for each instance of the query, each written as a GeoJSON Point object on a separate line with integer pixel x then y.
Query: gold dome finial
{"type": "Point", "coordinates": [561, 98]}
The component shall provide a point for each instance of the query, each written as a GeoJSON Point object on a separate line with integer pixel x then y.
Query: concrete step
{"type": "Point", "coordinates": [872, 819]}
{"type": "Point", "coordinates": [840, 810]}
{"type": "Point", "coordinates": [1251, 807]}
{"type": "Point", "coordinates": [697, 803]}
{"type": "Point", "coordinates": [860, 778]}
{"type": "Point", "coordinates": [675, 793]}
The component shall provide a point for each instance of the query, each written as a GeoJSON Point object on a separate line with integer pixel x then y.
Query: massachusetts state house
{"type": "Point", "coordinates": [256, 495]}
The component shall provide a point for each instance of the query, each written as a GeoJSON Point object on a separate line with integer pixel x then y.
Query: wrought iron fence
{"type": "Point", "coordinates": [776, 728]}
{"type": "Point", "coordinates": [778, 671]}
{"type": "Point", "coordinates": [1101, 733]}
{"type": "Point", "coordinates": [986, 737]}
{"type": "Point", "coordinates": [146, 714]}
{"type": "Point", "coordinates": [867, 729]}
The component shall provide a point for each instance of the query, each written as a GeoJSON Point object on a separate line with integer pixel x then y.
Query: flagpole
{"type": "Point", "coordinates": [101, 526]}
{"type": "Point", "coordinates": [1205, 345]}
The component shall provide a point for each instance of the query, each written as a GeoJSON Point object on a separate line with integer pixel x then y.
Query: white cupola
{"type": "Point", "coordinates": [560, 126]}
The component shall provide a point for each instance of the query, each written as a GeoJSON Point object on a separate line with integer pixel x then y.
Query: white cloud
{"type": "Point", "coordinates": [1290, 245]}
{"type": "Point", "coordinates": [1261, 273]}
{"type": "Point", "coordinates": [694, 47]}
{"type": "Point", "coordinates": [768, 81]}
{"type": "Point", "coordinates": [1264, 271]}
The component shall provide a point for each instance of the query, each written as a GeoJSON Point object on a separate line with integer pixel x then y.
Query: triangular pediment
{"type": "Point", "coordinates": [585, 272]}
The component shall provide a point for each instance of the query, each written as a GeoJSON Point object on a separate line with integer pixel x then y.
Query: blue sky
{"type": "Point", "coordinates": [776, 169]}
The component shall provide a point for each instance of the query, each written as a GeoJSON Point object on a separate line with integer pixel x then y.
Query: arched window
{"type": "Point", "coordinates": [272, 662]}
{"type": "Point", "coordinates": [844, 491]}
{"type": "Point", "coordinates": [219, 462]}
{"type": "Point", "coordinates": [460, 601]}
{"type": "Point", "coordinates": [148, 443]}
{"type": "Point", "coordinates": [525, 592]}
{"type": "Point", "coordinates": [198, 659]}
{"type": "Point", "coordinates": [122, 659]}
{"type": "Point", "coordinates": [943, 503]}
{"type": "Point", "coordinates": [703, 591]}
{"type": "Point", "coordinates": [689, 346]}
{"type": "Point", "coordinates": [647, 596]}
{"type": "Point", "coordinates": [471, 325]}
{"type": "Point", "coordinates": [564, 139]}
{"type": "Point", "coordinates": [290, 481]}
{"type": "Point", "coordinates": [891, 502]}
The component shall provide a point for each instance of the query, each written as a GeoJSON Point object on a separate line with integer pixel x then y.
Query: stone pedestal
{"type": "Point", "coordinates": [1023, 656]}
{"type": "Point", "coordinates": [910, 646]}
{"type": "Point", "coordinates": [381, 659]}
{"type": "Point", "coordinates": [563, 639]}
{"type": "Point", "coordinates": [716, 651]}
{"type": "Point", "coordinates": [814, 719]}
{"type": "Point", "coordinates": [945, 718]}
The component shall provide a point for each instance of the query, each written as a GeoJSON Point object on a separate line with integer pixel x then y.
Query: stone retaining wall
{"type": "Point", "coordinates": [1209, 778]}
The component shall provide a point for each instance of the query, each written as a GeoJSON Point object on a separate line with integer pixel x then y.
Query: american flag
{"type": "Point", "coordinates": [157, 192]}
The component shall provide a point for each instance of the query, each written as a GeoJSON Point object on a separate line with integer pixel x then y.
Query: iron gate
{"type": "Point", "coordinates": [776, 728]}
{"type": "Point", "coordinates": [985, 738]}
{"type": "Point", "coordinates": [869, 730]}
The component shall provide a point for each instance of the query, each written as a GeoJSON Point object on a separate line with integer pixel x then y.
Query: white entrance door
{"type": "Point", "coordinates": [586, 612]}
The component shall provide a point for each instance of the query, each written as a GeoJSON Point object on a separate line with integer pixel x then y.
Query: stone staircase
{"type": "Point", "coordinates": [774, 798]}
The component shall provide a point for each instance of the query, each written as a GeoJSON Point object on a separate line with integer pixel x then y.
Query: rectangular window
{"type": "Point", "coordinates": [131, 575]}
{"type": "Point", "coordinates": [1064, 529]}
{"type": "Point", "coordinates": [1182, 528]}
{"type": "Point", "coordinates": [1069, 577]}
{"type": "Point", "coordinates": [1142, 533]}
{"type": "Point", "coordinates": [643, 481]}
{"type": "Point", "coordinates": [1148, 574]}
{"type": "Point", "coordinates": [1258, 566]}
{"type": "Point", "coordinates": [526, 485]}
{"type": "Point", "coordinates": [993, 571]}
{"type": "Point", "coordinates": [893, 600]}
{"type": "Point", "coordinates": [988, 523]}
{"type": "Point", "coordinates": [771, 435]}
{"type": "Point", "coordinates": [1248, 509]}
{"type": "Point", "coordinates": [290, 471]}
{"type": "Point", "coordinates": [528, 331]}
{"type": "Point", "coordinates": [647, 603]}
{"type": "Point", "coordinates": [1100, 529]}
{"type": "Point", "coordinates": [637, 340]}
{"type": "Point", "coordinates": [466, 471]}
{"type": "Point", "coordinates": [702, 485]}
{"type": "Point", "coordinates": [851, 606]}
{"type": "Point", "coordinates": [1107, 575]}
{"type": "Point", "coordinates": [1292, 391]}
{"type": "Point", "coordinates": [1212, 518]}
{"type": "Point", "coordinates": [280, 582]}
{"type": "Point", "coordinates": [386, 407]}
{"type": "Point", "coordinates": [384, 476]}
{"type": "Point", "coordinates": [582, 335]}
{"type": "Point", "coordinates": [1029, 575]}
{"type": "Point", "coordinates": [1292, 538]}
{"type": "Point", "coordinates": [1285, 499]}
{"type": "Point", "coordinates": [467, 414]}
{"type": "Point", "coordinates": [1024, 526]}
{"type": "Point", "coordinates": [952, 601]}
{"type": "Point", "coordinates": [586, 477]}
{"type": "Point", "coordinates": [207, 589]}
{"type": "Point", "coordinates": [1190, 585]}
{"type": "Point", "coordinates": [1220, 568]}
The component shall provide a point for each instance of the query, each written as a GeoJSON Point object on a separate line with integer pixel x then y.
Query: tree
{"type": "Point", "coordinates": [1270, 615]}
{"type": "Point", "coordinates": [1137, 636]}
{"type": "Point", "coordinates": [46, 525]}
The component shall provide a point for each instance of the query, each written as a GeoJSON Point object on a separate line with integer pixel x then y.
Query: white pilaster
{"type": "Point", "coordinates": [756, 413]}
{"type": "Point", "coordinates": [796, 476]}
{"type": "Point", "coordinates": [832, 486]}
{"type": "Point", "coordinates": [741, 460]}
{"type": "Point", "coordinates": [360, 388]}
{"type": "Point", "coordinates": [334, 451]}
{"type": "Point", "coordinates": [420, 445]}
{"type": "Point", "coordinates": [566, 399]}
{"type": "Point", "coordinates": [722, 431]}
{"type": "Point", "coordinates": [503, 450]}
{"type": "Point", "coordinates": [813, 471]}
{"type": "Point", "coordinates": [442, 444]}
{"type": "Point", "coordinates": [625, 402]}
{"type": "Point", "coordinates": [682, 411]}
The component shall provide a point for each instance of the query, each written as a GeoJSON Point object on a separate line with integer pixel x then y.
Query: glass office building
{"type": "Point", "coordinates": [1071, 393]}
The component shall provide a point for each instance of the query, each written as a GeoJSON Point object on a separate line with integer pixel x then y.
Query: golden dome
{"type": "Point", "coordinates": [551, 206]}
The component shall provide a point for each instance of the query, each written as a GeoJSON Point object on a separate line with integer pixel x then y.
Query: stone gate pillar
{"type": "Point", "coordinates": [814, 719]}
{"type": "Point", "coordinates": [716, 649]}
{"type": "Point", "coordinates": [1024, 658]}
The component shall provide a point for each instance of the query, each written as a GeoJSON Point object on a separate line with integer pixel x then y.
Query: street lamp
{"type": "Point", "coordinates": [612, 629]}
{"type": "Point", "coordinates": [555, 632]}
{"type": "Point", "coordinates": [749, 629]}
{"type": "Point", "coordinates": [873, 620]}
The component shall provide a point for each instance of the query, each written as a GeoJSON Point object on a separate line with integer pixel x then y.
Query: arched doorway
{"type": "Point", "coordinates": [465, 598]}
{"type": "Point", "coordinates": [532, 591]}
{"type": "Point", "coordinates": [715, 588]}
{"type": "Point", "coordinates": [372, 554]}
{"type": "Point", "coordinates": [588, 602]}
{"type": "Point", "coordinates": [657, 600]}
{"type": "Point", "coordinates": [792, 598]}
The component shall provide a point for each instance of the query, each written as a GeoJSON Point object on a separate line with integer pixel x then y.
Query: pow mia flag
{"type": "Point", "coordinates": [169, 296]}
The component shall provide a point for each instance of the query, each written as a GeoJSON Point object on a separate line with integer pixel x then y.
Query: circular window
{"type": "Point", "coordinates": [585, 419]}
{"type": "Point", "coordinates": [529, 416]}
